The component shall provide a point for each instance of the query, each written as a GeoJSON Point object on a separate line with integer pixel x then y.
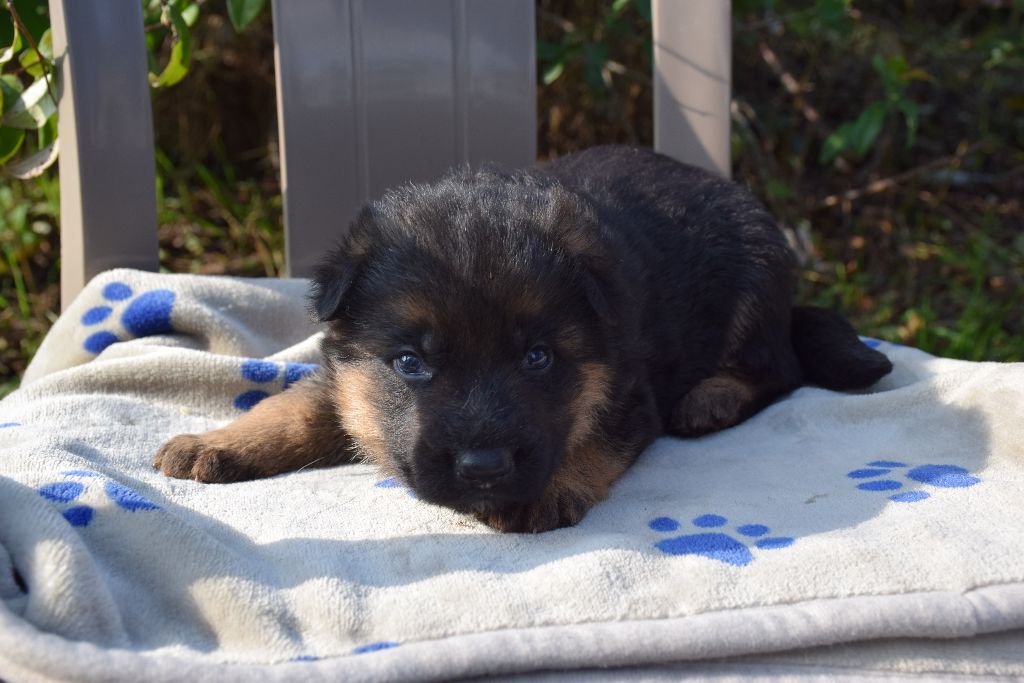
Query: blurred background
{"type": "Point", "coordinates": [887, 137]}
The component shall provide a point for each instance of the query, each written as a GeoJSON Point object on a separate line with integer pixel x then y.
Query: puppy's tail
{"type": "Point", "coordinates": [831, 354]}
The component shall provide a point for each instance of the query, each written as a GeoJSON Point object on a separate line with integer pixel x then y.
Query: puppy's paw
{"type": "Point", "coordinates": [553, 511]}
{"type": "Point", "coordinates": [712, 405]}
{"type": "Point", "coordinates": [189, 456]}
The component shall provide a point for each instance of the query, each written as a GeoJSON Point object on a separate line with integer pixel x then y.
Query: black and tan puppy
{"type": "Point", "coordinates": [508, 343]}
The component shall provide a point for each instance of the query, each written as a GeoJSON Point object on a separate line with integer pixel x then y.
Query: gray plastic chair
{"type": "Point", "coordinates": [371, 93]}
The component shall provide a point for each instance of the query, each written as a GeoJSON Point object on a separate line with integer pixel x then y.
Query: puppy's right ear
{"type": "Point", "coordinates": [333, 278]}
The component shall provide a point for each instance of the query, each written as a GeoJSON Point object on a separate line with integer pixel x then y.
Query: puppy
{"type": "Point", "coordinates": [506, 344]}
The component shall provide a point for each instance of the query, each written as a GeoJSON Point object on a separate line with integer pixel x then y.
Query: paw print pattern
{"type": "Point", "coordinates": [264, 372]}
{"type": "Point", "coordinates": [940, 476]}
{"type": "Point", "coordinates": [393, 483]}
{"type": "Point", "coordinates": [145, 315]}
{"type": "Point", "coordinates": [717, 545]}
{"type": "Point", "coordinates": [871, 343]}
{"type": "Point", "coordinates": [8, 425]}
{"type": "Point", "coordinates": [374, 647]}
{"type": "Point", "coordinates": [68, 491]}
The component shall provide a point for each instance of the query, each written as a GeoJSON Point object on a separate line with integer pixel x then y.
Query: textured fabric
{"type": "Point", "coordinates": [897, 513]}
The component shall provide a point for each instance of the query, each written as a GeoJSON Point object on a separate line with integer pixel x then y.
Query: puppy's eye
{"type": "Point", "coordinates": [538, 357]}
{"type": "Point", "coordinates": [410, 366]}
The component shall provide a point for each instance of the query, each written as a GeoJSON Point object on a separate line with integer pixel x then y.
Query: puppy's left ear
{"type": "Point", "coordinates": [334, 276]}
{"type": "Point", "coordinates": [577, 228]}
{"type": "Point", "coordinates": [332, 280]}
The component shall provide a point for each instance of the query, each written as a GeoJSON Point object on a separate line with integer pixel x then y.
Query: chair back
{"type": "Point", "coordinates": [370, 94]}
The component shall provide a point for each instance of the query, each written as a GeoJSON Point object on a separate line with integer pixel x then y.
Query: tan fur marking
{"type": "Point", "coordinates": [582, 480]}
{"type": "Point", "coordinates": [413, 310]}
{"type": "Point", "coordinates": [528, 303]}
{"type": "Point", "coordinates": [588, 470]}
{"type": "Point", "coordinates": [359, 416]}
{"type": "Point", "coordinates": [571, 340]}
{"type": "Point", "coordinates": [592, 396]}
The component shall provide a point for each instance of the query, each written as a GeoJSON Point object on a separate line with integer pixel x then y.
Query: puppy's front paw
{"type": "Point", "coordinates": [553, 511]}
{"type": "Point", "coordinates": [189, 456]}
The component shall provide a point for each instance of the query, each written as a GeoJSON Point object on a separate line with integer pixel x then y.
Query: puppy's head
{"type": "Point", "coordinates": [472, 334]}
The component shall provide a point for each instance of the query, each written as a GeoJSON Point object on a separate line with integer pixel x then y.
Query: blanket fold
{"type": "Point", "coordinates": [876, 520]}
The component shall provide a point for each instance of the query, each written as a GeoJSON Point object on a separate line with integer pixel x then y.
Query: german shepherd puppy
{"type": "Point", "coordinates": [507, 343]}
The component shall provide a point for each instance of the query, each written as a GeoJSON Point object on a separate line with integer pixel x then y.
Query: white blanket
{"type": "Point", "coordinates": [828, 518]}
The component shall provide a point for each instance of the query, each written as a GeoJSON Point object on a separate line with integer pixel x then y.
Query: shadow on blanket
{"type": "Point", "coordinates": [180, 577]}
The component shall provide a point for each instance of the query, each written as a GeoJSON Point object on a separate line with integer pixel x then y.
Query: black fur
{"type": "Point", "coordinates": [677, 285]}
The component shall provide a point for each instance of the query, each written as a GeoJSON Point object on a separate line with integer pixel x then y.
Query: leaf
{"type": "Point", "coordinates": [866, 128]}
{"type": "Point", "coordinates": [918, 74]}
{"type": "Point", "coordinates": [643, 8]}
{"type": "Point", "coordinates": [190, 14]}
{"type": "Point", "coordinates": [181, 52]}
{"type": "Point", "coordinates": [30, 58]}
{"type": "Point", "coordinates": [552, 73]}
{"type": "Point", "coordinates": [8, 54]}
{"type": "Point", "coordinates": [835, 143]}
{"type": "Point", "coordinates": [894, 72]}
{"type": "Point", "coordinates": [34, 164]}
{"type": "Point", "coordinates": [48, 133]}
{"type": "Point", "coordinates": [32, 108]}
{"type": "Point", "coordinates": [910, 117]}
{"type": "Point", "coordinates": [777, 189]}
{"type": "Point", "coordinates": [548, 52]}
{"type": "Point", "coordinates": [242, 12]}
{"type": "Point", "coordinates": [10, 142]}
{"type": "Point", "coordinates": [11, 89]}
{"type": "Point", "coordinates": [833, 16]}
{"type": "Point", "coordinates": [594, 57]}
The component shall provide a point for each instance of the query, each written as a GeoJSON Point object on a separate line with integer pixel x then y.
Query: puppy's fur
{"type": "Point", "coordinates": [508, 343]}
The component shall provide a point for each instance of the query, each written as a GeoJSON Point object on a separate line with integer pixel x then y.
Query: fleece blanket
{"type": "Point", "coordinates": [887, 525]}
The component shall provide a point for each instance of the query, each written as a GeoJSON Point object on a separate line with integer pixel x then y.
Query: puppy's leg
{"type": "Point", "coordinates": [739, 389]}
{"type": "Point", "coordinates": [294, 429]}
{"type": "Point", "coordinates": [715, 403]}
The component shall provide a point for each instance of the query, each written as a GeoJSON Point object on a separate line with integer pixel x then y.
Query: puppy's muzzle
{"type": "Point", "coordinates": [483, 467]}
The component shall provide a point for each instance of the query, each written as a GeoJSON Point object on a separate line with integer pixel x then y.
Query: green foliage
{"type": "Point", "coordinates": [28, 216]}
{"type": "Point", "coordinates": [28, 90]}
{"type": "Point", "coordinates": [935, 259]}
{"type": "Point", "coordinates": [176, 29]}
{"type": "Point", "coordinates": [859, 135]}
{"type": "Point", "coordinates": [243, 12]}
{"type": "Point", "coordinates": [590, 46]}
{"type": "Point", "coordinates": [892, 156]}
{"type": "Point", "coordinates": [28, 83]}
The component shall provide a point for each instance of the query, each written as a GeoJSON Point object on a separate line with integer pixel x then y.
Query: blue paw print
{"type": "Point", "coordinates": [717, 545]}
{"type": "Point", "coordinates": [393, 483]}
{"type": "Point", "coordinates": [374, 647]}
{"type": "Point", "coordinates": [147, 314]}
{"type": "Point", "coordinates": [940, 476]}
{"type": "Point", "coordinates": [871, 343]}
{"type": "Point", "coordinates": [80, 515]}
{"type": "Point", "coordinates": [7, 425]}
{"type": "Point", "coordinates": [265, 372]}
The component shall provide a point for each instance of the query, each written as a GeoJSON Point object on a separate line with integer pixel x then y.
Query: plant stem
{"type": "Point", "coordinates": [43, 64]}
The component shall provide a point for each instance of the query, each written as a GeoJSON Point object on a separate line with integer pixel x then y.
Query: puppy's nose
{"type": "Point", "coordinates": [483, 467]}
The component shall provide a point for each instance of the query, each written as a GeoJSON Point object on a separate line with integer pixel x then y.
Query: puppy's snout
{"type": "Point", "coordinates": [483, 467]}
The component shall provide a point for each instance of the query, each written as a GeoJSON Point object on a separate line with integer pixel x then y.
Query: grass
{"type": "Point", "coordinates": [919, 244]}
{"type": "Point", "coordinates": [29, 214]}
